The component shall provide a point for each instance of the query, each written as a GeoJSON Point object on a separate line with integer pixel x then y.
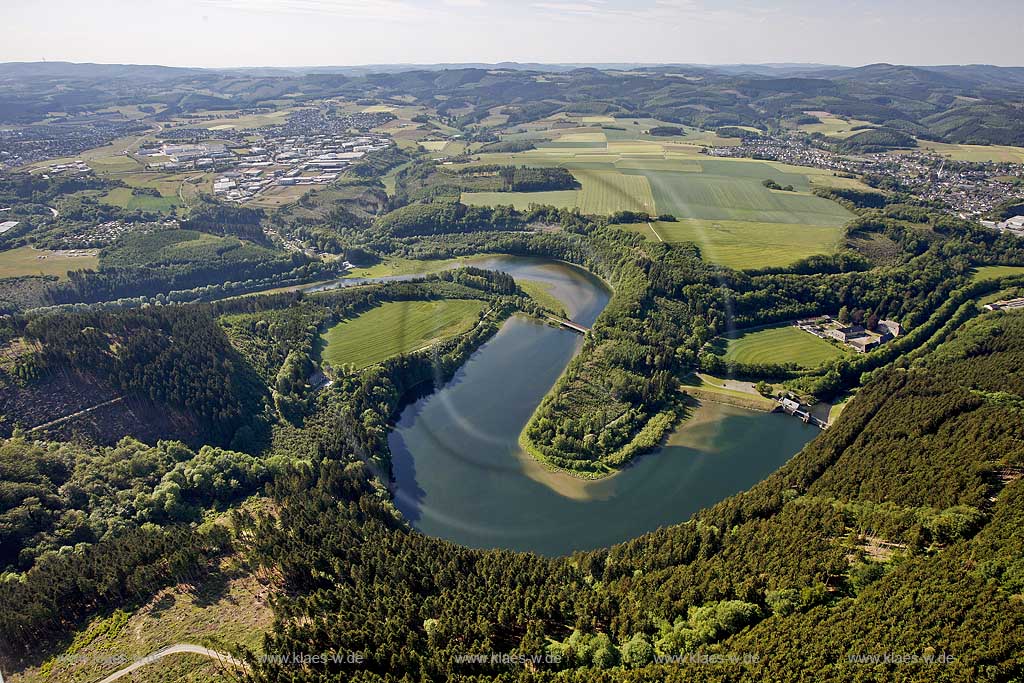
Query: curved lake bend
{"type": "Point", "coordinates": [460, 474]}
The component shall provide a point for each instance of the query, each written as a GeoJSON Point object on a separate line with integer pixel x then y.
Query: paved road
{"type": "Point", "coordinates": [179, 649]}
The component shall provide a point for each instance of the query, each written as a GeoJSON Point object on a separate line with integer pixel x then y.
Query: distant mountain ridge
{"type": "Point", "coordinates": [978, 103]}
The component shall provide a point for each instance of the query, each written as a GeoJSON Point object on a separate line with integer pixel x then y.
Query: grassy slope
{"type": "Point", "coordinates": [747, 244]}
{"type": "Point", "coordinates": [397, 327]}
{"type": "Point", "coordinates": [542, 293]}
{"type": "Point", "coordinates": [782, 344]}
{"type": "Point", "coordinates": [995, 272]}
{"type": "Point", "coordinates": [733, 191]}
{"type": "Point", "coordinates": [227, 606]}
{"type": "Point", "coordinates": [123, 197]}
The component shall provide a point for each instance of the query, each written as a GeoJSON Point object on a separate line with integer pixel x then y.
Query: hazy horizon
{"type": "Point", "coordinates": [309, 33]}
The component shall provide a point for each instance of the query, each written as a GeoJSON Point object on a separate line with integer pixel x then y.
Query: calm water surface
{"type": "Point", "coordinates": [460, 474]}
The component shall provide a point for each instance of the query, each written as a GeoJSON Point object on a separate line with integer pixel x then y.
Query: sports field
{"type": "Point", "coordinates": [995, 272]}
{"type": "Point", "coordinates": [781, 344]}
{"type": "Point", "coordinates": [397, 327]}
{"type": "Point", "coordinates": [29, 261]}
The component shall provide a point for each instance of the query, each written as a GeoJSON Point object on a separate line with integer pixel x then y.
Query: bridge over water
{"type": "Point", "coordinates": [570, 325]}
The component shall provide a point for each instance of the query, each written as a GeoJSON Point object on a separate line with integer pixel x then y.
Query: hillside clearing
{"type": "Point", "coordinates": [995, 272]}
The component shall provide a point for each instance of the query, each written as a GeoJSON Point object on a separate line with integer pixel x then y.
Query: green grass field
{"type": "Point", "coordinates": [563, 199]}
{"type": "Point", "coordinates": [605, 192]}
{"type": "Point", "coordinates": [123, 197]}
{"type": "Point", "coordinates": [733, 191]}
{"type": "Point", "coordinates": [29, 261]}
{"type": "Point", "coordinates": [976, 153]}
{"type": "Point", "coordinates": [781, 344]}
{"type": "Point", "coordinates": [833, 126]}
{"type": "Point", "coordinates": [746, 244]}
{"type": "Point", "coordinates": [995, 272]}
{"type": "Point", "coordinates": [722, 203]}
{"type": "Point", "coordinates": [602, 192]}
{"type": "Point", "coordinates": [397, 327]}
{"type": "Point", "coordinates": [220, 122]}
{"type": "Point", "coordinates": [542, 293]}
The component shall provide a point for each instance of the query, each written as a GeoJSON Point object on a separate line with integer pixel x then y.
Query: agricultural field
{"type": "Point", "coordinates": [397, 327]}
{"type": "Point", "coordinates": [218, 122]}
{"type": "Point", "coordinates": [834, 126]}
{"type": "Point", "coordinates": [746, 244]}
{"type": "Point", "coordinates": [995, 272]}
{"type": "Point", "coordinates": [975, 153]}
{"type": "Point", "coordinates": [721, 203]}
{"type": "Point", "coordinates": [562, 199]}
{"type": "Point", "coordinates": [603, 192]}
{"type": "Point", "coordinates": [733, 191]}
{"type": "Point", "coordinates": [123, 197]}
{"type": "Point", "coordinates": [779, 344]}
{"type": "Point", "coordinates": [30, 261]}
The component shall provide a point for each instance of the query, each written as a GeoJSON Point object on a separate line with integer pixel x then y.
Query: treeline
{"type": "Point", "coordinates": [39, 188]}
{"type": "Point", "coordinates": [60, 497]}
{"type": "Point", "coordinates": [443, 217]}
{"type": "Point", "coordinates": [526, 179]}
{"type": "Point", "coordinates": [427, 180]}
{"type": "Point", "coordinates": [147, 264]}
{"type": "Point", "coordinates": [224, 219]}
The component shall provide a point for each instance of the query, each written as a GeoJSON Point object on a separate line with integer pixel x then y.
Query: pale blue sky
{"type": "Point", "coordinates": [343, 32]}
